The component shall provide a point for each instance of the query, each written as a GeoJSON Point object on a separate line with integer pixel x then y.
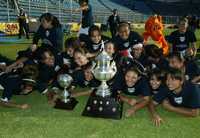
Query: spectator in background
{"type": "Point", "coordinates": [87, 17]}
{"type": "Point", "coordinates": [23, 23]}
{"type": "Point", "coordinates": [113, 22]}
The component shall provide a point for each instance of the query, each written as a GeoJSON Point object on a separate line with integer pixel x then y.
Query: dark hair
{"type": "Point", "coordinates": [50, 18]}
{"type": "Point", "coordinates": [176, 74]}
{"type": "Point", "coordinates": [87, 66]}
{"type": "Point", "coordinates": [124, 24]}
{"type": "Point", "coordinates": [182, 19]}
{"type": "Point", "coordinates": [110, 42]}
{"type": "Point", "coordinates": [134, 69]}
{"type": "Point", "coordinates": [82, 1]}
{"type": "Point", "coordinates": [158, 73]}
{"type": "Point", "coordinates": [177, 55]}
{"type": "Point", "coordinates": [79, 50]}
{"type": "Point", "coordinates": [114, 10]}
{"type": "Point", "coordinates": [41, 55]}
{"type": "Point", "coordinates": [153, 51]}
{"type": "Point", "coordinates": [72, 42]}
{"type": "Point", "coordinates": [94, 28]}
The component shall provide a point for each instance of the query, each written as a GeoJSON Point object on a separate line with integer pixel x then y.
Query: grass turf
{"type": "Point", "coordinates": [42, 121]}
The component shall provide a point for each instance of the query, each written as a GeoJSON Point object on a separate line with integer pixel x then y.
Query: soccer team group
{"type": "Point", "coordinates": [145, 76]}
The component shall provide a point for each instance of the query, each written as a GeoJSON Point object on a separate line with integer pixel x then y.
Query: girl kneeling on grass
{"type": "Point", "coordinates": [132, 84]}
{"type": "Point", "coordinates": [183, 97]}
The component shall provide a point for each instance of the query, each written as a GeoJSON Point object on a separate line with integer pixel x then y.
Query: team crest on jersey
{"type": "Point", "coordinates": [128, 62]}
{"type": "Point", "coordinates": [182, 39]}
{"type": "Point", "coordinates": [155, 92]}
{"type": "Point", "coordinates": [47, 33]}
{"type": "Point", "coordinates": [126, 44]}
{"type": "Point", "coordinates": [66, 61]}
{"type": "Point", "coordinates": [178, 100]}
{"type": "Point", "coordinates": [187, 77]}
{"type": "Point", "coordinates": [95, 47]}
{"type": "Point", "coordinates": [86, 82]}
{"type": "Point", "coordinates": [131, 90]}
{"type": "Point", "coordinates": [57, 68]}
{"type": "Point", "coordinates": [153, 66]}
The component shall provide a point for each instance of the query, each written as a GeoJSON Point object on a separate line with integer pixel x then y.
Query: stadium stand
{"type": "Point", "coordinates": [163, 7]}
{"type": "Point", "coordinates": [4, 15]}
{"type": "Point", "coordinates": [173, 8]}
{"type": "Point", "coordinates": [141, 7]}
{"type": "Point", "coordinates": [129, 10]}
{"type": "Point", "coordinates": [102, 9]}
{"type": "Point", "coordinates": [125, 13]}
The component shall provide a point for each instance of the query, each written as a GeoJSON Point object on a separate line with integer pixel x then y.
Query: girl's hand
{"type": "Point", "coordinates": [157, 120]}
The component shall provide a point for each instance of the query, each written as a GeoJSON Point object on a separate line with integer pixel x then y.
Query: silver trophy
{"type": "Point", "coordinates": [66, 101]}
{"type": "Point", "coordinates": [64, 81]}
{"type": "Point", "coordinates": [101, 102]}
{"type": "Point", "coordinates": [104, 69]}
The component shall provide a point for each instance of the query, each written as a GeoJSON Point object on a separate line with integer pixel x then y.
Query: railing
{"type": "Point", "coordinates": [69, 15]}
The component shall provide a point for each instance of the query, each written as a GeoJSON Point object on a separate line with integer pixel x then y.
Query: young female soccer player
{"type": "Point", "coordinates": [49, 67]}
{"type": "Point", "coordinates": [182, 97]}
{"type": "Point", "coordinates": [93, 42]}
{"type": "Point", "coordinates": [132, 84]}
{"type": "Point", "coordinates": [21, 83]}
{"type": "Point", "coordinates": [190, 69]}
{"type": "Point", "coordinates": [126, 38]}
{"type": "Point", "coordinates": [138, 53]}
{"type": "Point", "coordinates": [50, 32]}
{"type": "Point", "coordinates": [156, 81]}
{"type": "Point", "coordinates": [183, 40]}
{"type": "Point", "coordinates": [155, 58]}
{"type": "Point", "coordinates": [85, 78]}
{"type": "Point", "coordinates": [87, 17]}
{"type": "Point", "coordinates": [80, 58]}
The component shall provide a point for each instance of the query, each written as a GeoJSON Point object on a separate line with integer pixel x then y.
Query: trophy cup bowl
{"type": "Point", "coordinates": [66, 102]}
{"type": "Point", "coordinates": [104, 72]}
{"type": "Point", "coordinates": [64, 81]}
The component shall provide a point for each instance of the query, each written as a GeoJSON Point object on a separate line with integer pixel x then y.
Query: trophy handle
{"type": "Point", "coordinates": [113, 66]}
{"type": "Point", "coordinates": [66, 95]}
{"type": "Point", "coordinates": [93, 65]}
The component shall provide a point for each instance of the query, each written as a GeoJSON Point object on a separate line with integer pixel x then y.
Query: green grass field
{"type": "Point", "coordinates": [42, 121]}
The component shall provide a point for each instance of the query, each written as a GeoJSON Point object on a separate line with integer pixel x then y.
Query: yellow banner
{"type": "Point", "coordinates": [9, 28]}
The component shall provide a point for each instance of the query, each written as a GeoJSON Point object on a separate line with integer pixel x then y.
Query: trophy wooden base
{"type": "Point", "coordinates": [66, 106]}
{"type": "Point", "coordinates": [103, 107]}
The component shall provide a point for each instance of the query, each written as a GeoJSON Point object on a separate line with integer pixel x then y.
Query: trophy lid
{"type": "Point", "coordinates": [103, 55]}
